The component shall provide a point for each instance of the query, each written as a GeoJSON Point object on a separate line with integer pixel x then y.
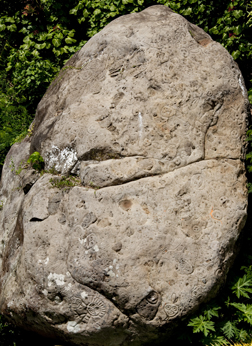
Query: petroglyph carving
{"type": "Point", "coordinates": [148, 306]}
{"type": "Point", "coordinates": [216, 214]}
{"type": "Point", "coordinates": [184, 266]}
{"type": "Point", "coordinates": [171, 310]}
{"type": "Point", "coordinates": [90, 241]}
{"type": "Point", "coordinates": [88, 307]}
{"type": "Point", "coordinates": [197, 181]}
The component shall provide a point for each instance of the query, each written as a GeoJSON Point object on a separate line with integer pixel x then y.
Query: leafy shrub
{"type": "Point", "coordinates": [36, 161]}
{"type": "Point", "coordinates": [14, 118]}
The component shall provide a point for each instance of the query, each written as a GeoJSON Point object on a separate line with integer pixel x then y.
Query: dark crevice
{"type": "Point", "coordinates": [146, 175]}
{"type": "Point", "coordinates": [100, 155]}
{"type": "Point", "coordinates": [36, 219]}
{"type": "Point", "coordinates": [27, 188]}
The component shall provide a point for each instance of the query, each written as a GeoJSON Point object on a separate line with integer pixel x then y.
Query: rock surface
{"type": "Point", "coordinates": [152, 115]}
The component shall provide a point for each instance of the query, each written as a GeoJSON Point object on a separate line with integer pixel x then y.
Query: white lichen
{"type": "Point", "coordinates": [61, 160]}
{"type": "Point", "coordinates": [73, 327]}
{"type": "Point", "coordinates": [68, 287]}
{"type": "Point", "coordinates": [96, 248]}
{"type": "Point", "coordinates": [111, 273]}
{"type": "Point", "coordinates": [84, 294]}
{"type": "Point", "coordinates": [58, 279]}
{"type": "Point", "coordinates": [45, 292]}
{"type": "Point", "coordinates": [242, 87]}
{"type": "Point", "coordinates": [140, 123]}
{"type": "Point", "coordinates": [44, 262]}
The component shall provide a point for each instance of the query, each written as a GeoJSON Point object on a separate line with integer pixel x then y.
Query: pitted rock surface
{"type": "Point", "coordinates": [151, 114]}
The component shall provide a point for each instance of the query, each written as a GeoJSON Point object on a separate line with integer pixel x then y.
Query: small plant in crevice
{"type": "Point", "coordinates": [36, 161]}
{"type": "Point", "coordinates": [30, 130]}
{"type": "Point", "coordinates": [51, 170]}
{"type": "Point", "coordinates": [17, 170]}
{"type": "Point", "coordinates": [93, 186]}
{"type": "Point", "coordinates": [65, 182]}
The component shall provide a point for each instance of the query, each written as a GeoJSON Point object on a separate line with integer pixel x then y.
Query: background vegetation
{"type": "Point", "coordinates": [38, 36]}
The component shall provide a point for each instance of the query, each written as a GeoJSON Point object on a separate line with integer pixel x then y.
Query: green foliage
{"type": "Point", "coordinates": [242, 287]}
{"type": "Point", "coordinates": [65, 182]}
{"type": "Point", "coordinates": [36, 38]}
{"type": "Point", "coordinates": [201, 324]}
{"type": "Point", "coordinates": [229, 317]}
{"type": "Point", "coordinates": [36, 161]}
{"type": "Point", "coordinates": [13, 168]}
{"type": "Point", "coordinates": [229, 330]}
{"type": "Point", "coordinates": [14, 118]}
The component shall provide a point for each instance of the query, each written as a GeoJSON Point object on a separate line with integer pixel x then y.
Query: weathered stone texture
{"type": "Point", "coordinates": [153, 113]}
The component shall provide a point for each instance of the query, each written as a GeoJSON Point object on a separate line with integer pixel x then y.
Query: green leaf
{"type": "Point", "coordinates": [70, 40]}
{"type": "Point", "coordinates": [12, 27]}
{"type": "Point", "coordinates": [2, 27]}
{"type": "Point", "coordinates": [243, 335]}
{"type": "Point", "coordinates": [35, 53]}
{"type": "Point", "coordinates": [246, 310]}
{"type": "Point", "coordinates": [229, 329]}
{"type": "Point", "coordinates": [97, 11]}
{"type": "Point", "coordinates": [236, 54]}
{"type": "Point", "coordinates": [63, 50]}
{"type": "Point", "coordinates": [85, 13]}
{"type": "Point", "coordinates": [237, 13]}
{"type": "Point", "coordinates": [74, 11]}
{"type": "Point", "coordinates": [202, 8]}
{"type": "Point", "coordinates": [10, 20]}
{"type": "Point", "coordinates": [243, 47]}
{"type": "Point", "coordinates": [56, 52]}
{"type": "Point", "coordinates": [113, 14]}
{"type": "Point", "coordinates": [71, 33]}
{"type": "Point", "coordinates": [18, 65]}
{"type": "Point", "coordinates": [237, 30]}
{"type": "Point", "coordinates": [212, 312]}
{"type": "Point", "coordinates": [214, 30]}
{"type": "Point", "coordinates": [26, 39]}
{"type": "Point", "coordinates": [56, 42]}
{"type": "Point", "coordinates": [201, 324]}
{"type": "Point", "coordinates": [40, 46]}
{"type": "Point", "coordinates": [242, 287]}
{"type": "Point", "coordinates": [187, 12]}
{"type": "Point", "coordinates": [23, 30]}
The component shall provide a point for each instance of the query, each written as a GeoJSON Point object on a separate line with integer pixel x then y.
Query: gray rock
{"type": "Point", "coordinates": [152, 115]}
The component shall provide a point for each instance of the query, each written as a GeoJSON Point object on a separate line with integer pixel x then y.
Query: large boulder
{"type": "Point", "coordinates": [151, 116]}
